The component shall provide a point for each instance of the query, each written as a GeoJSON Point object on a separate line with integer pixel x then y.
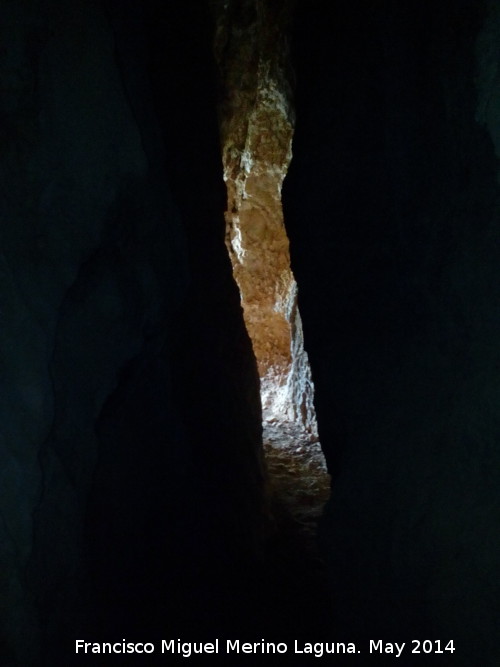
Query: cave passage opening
{"type": "Point", "coordinates": [256, 119]}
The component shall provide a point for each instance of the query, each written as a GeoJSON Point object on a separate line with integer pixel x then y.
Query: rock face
{"type": "Point", "coordinates": [131, 425]}
{"type": "Point", "coordinates": [396, 162]}
{"type": "Point", "coordinates": [256, 120]}
{"type": "Point", "coordinates": [131, 482]}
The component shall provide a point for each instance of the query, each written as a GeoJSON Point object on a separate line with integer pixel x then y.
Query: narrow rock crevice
{"type": "Point", "coordinates": [256, 120]}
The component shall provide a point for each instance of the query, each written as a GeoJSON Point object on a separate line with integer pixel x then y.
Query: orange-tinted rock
{"type": "Point", "coordinates": [256, 125]}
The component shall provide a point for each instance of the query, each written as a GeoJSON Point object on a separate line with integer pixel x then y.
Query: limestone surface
{"type": "Point", "coordinates": [256, 124]}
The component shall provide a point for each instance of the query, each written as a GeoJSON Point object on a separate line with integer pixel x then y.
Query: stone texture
{"type": "Point", "coordinates": [130, 471]}
{"type": "Point", "coordinates": [256, 125]}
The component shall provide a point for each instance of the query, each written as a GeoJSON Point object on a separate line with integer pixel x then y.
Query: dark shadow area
{"type": "Point", "coordinates": [390, 206]}
{"type": "Point", "coordinates": [134, 498]}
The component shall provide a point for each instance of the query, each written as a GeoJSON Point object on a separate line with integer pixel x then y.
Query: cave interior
{"type": "Point", "coordinates": [137, 498]}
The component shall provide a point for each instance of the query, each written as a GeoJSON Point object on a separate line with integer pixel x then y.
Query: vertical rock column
{"type": "Point", "coordinates": [256, 124]}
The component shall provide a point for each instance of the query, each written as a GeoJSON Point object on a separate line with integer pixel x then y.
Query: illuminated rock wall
{"type": "Point", "coordinates": [256, 121]}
